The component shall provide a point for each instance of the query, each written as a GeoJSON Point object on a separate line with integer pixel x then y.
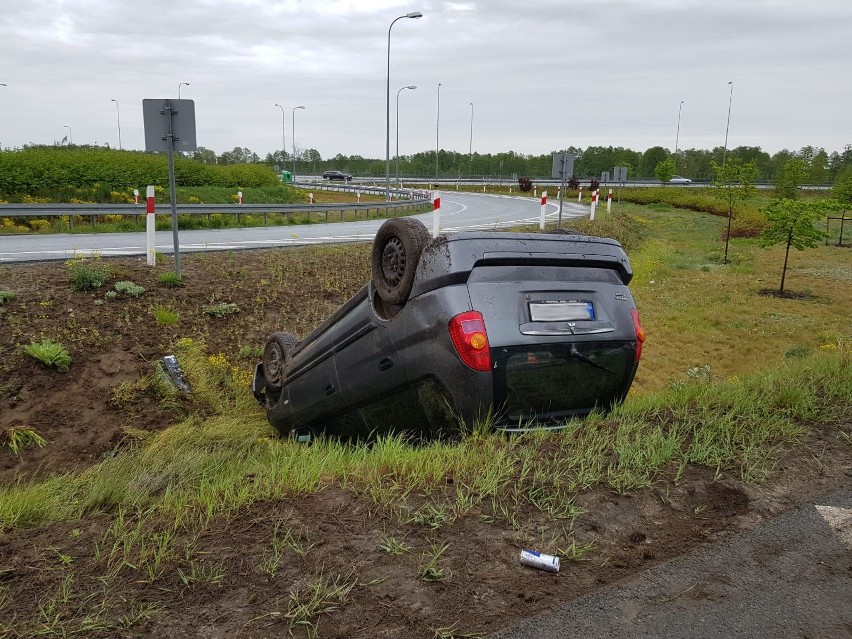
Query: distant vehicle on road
{"type": "Point", "coordinates": [680, 180]}
{"type": "Point", "coordinates": [528, 328]}
{"type": "Point", "coordinates": [336, 175]}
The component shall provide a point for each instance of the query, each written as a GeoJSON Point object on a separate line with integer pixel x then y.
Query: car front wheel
{"type": "Point", "coordinates": [396, 252]}
{"type": "Point", "coordinates": [276, 353]}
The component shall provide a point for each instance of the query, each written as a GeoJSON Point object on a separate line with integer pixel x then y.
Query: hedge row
{"type": "Point", "coordinates": [42, 170]}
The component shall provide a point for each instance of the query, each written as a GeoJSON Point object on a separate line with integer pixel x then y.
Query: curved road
{"type": "Point", "coordinates": [459, 211]}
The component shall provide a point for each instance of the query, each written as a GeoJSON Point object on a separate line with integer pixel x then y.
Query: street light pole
{"type": "Point", "coordinates": [118, 117]}
{"type": "Point", "coordinates": [293, 137]}
{"type": "Point", "coordinates": [283, 137]}
{"type": "Point", "coordinates": [677, 136]}
{"type": "Point", "coordinates": [412, 14]}
{"type": "Point", "coordinates": [397, 131]}
{"type": "Point", "coordinates": [70, 137]}
{"type": "Point", "coordinates": [470, 150]}
{"type": "Point", "coordinates": [180, 85]}
{"type": "Point", "coordinates": [437, 131]}
{"type": "Point", "coordinates": [728, 126]}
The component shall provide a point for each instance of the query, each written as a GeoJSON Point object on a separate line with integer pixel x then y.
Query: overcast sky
{"type": "Point", "coordinates": [542, 74]}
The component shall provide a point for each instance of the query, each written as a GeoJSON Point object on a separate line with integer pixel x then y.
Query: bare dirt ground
{"type": "Point", "coordinates": [485, 587]}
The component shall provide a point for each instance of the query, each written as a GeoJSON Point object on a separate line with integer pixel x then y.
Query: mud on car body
{"type": "Point", "coordinates": [531, 328]}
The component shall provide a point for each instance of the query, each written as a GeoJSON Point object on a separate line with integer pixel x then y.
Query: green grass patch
{"type": "Point", "coordinates": [6, 296]}
{"type": "Point", "coordinates": [50, 354]}
{"type": "Point", "coordinates": [169, 279]}
{"type": "Point", "coordinates": [164, 315]}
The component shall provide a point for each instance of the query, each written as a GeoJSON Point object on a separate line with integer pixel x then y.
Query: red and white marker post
{"type": "Point", "coordinates": [136, 196]}
{"type": "Point", "coordinates": [580, 194]}
{"type": "Point", "coordinates": [609, 201]}
{"type": "Point", "coordinates": [436, 213]}
{"type": "Point", "coordinates": [310, 198]}
{"type": "Point", "coordinates": [543, 209]}
{"type": "Point", "coordinates": [239, 197]}
{"type": "Point", "coordinates": [150, 225]}
{"type": "Point", "coordinates": [535, 191]}
{"type": "Point", "coordinates": [594, 204]}
{"type": "Point", "coordinates": [358, 197]}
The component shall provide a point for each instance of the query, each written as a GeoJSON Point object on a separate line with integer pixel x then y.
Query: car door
{"type": "Point", "coordinates": [368, 365]}
{"type": "Point", "coordinates": [313, 382]}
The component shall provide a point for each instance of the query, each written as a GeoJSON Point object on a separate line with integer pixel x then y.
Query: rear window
{"type": "Point", "coordinates": [550, 381]}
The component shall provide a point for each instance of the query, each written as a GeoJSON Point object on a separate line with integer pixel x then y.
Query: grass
{"type": "Point", "coordinates": [164, 315]}
{"type": "Point", "coordinates": [169, 279]}
{"type": "Point", "coordinates": [50, 354]}
{"type": "Point", "coordinates": [319, 596]}
{"type": "Point", "coordinates": [6, 296]}
{"type": "Point", "coordinates": [16, 439]}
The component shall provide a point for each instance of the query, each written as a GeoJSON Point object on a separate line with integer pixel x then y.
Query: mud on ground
{"type": "Point", "coordinates": [483, 587]}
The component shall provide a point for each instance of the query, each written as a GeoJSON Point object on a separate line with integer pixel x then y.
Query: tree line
{"type": "Point", "coordinates": [589, 162]}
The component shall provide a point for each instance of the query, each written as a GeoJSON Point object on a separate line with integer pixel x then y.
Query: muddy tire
{"type": "Point", "coordinates": [396, 252]}
{"type": "Point", "coordinates": [276, 354]}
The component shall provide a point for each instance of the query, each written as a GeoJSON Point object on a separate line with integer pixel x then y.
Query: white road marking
{"type": "Point", "coordinates": [840, 521]}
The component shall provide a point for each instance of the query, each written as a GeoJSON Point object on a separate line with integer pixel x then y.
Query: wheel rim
{"type": "Point", "coordinates": [274, 364]}
{"type": "Point", "coordinates": [393, 261]}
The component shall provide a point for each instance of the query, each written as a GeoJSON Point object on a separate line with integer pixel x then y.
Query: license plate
{"type": "Point", "coordinates": [561, 311]}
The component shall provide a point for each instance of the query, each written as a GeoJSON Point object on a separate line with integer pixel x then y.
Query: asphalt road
{"type": "Point", "coordinates": [790, 577]}
{"type": "Point", "coordinates": [458, 211]}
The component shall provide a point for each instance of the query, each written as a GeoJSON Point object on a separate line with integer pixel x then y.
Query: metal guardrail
{"type": "Point", "coordinates": [413, 200]}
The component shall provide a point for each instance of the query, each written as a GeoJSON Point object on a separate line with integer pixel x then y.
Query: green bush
{"type": "Point", "coordinates": [6, 296]}
{"type": "Point", "coordinates": [88, 275]}
{"type": "Point", "coordinates": [169, 279]}
{"type": "Point", "coordinates": [129, 288]}
{"type": "Point", "coordinates": [49, 354]}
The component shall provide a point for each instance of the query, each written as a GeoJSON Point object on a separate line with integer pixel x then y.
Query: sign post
{"type": "Point", "coordinates": [150, 225]}
{"type": "Point", "coordinates": [170, 127]}
{"type": "Point", "coordinates": [563, 165]}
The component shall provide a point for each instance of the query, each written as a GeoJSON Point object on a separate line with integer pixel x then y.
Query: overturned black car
{"type": "Point", "coordinates": [529, 329]}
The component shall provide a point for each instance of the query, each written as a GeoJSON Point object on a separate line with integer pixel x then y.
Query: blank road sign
{"type": "Point", "coordinates": [156, 118]}
{"type": "Point", "coordinates": [562, 163]}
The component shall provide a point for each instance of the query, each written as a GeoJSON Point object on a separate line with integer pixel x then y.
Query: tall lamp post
{"type": "Point", "coordinates": [70, 137]}
{"type": "Point", "coordinates": [413, 14]}
{"type": "Point", "coordinates": [293, 136]}
{"type": "Point", "coordinates": [181, 85]}
{"type": "Point", "coordinates": [677, 135]}
{"type": "Point", "coordinates": [470, 150]}
{"type": "Point", "coordinates": [283, 137]}
{"type": "Point", "coordinates": [437, 131]}
{"type": "Point", "coordinates": [728, 125]}
{"type": "Point", "coordinates": [118, 118]}
{"type": "Point", "coordinates": [397, 130]}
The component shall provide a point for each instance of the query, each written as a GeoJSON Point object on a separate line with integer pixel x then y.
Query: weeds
{"type": "Point", "coordinates": [129, 288]}
{"type": "Point", "coordinates": [50, 354]}
{"type": "Point", "coordinates": [164, 315]}
{"type": "Point", "coordinates": [393, 546]}
{"type": "Point", "coordinates": [220, 309]}
{"type": "Point", "coordinates": [318, 597]}
{"type": "Point", "coordinates": [429, 569]}
{"type": "Point", "coordinates": [16, 439]}
{"type": "Point", "coordinates": [6, 296]}
{"type": "Point", "coordinates": [169, 279]}
{"type": "Point", "coordinates": [87, 275]}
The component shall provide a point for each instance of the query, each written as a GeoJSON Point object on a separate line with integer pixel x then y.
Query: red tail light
{"type": "Point", "coordinates": [467, 331]}
{"type": "Point", "coordinates": [640, 333]}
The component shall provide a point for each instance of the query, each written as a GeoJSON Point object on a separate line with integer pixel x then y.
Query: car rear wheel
{"type": "Point", "coordinates": [396, 252]}
{"type": "Point", "coordinates": [276, 352]}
